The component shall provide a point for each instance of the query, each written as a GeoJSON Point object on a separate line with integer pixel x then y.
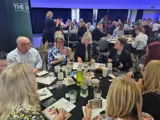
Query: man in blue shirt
{"type": "Point", "coordinates": [25, 54]}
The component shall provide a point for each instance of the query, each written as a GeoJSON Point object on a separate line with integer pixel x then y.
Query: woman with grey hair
{"type": "Point", "coordinates": [85, 51]}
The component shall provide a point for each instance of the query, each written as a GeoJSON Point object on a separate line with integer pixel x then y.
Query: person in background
{"type": "Point", "coordinates": [75, 23]}
{"type": "Point", "coordinates": [150, 85]}
{"type": "Point", "coordinates": [151, 49]}
{"type": "Point", "coordinates": [58, 55]}
{"type": "Point", "coordinates": [118, 31]}
{"type": "Point", "coordinates": [3, 61]}
{"type": "Point", "coordinates": [85, 51]}
{"type": "Point", "coordinates": [50, 28]}
{"type": "Point", "coordinates": [137, 24]}
{"type": "Point", "coordinates": [140, 41]}
{"type": "Point", "coordinates": [19, 98]}
{"type": "Point", "coordinates": [71, 26]}
{"type": "Point", "coordinates": [119, 56]}
{"type": "Point", "coordinates": [90, 27]}
{"type": "Point", "coordinates": [67, 22]}
{"type": "Point", "coordinates": [156, 26]}
{"type": "Point", "coordinates": [112, 27]}
{"type": "Point", "coordinates": [105, 23]}
{"type": "Point", "coordinates": [148, 32]}
{"type": "Point", "coordinates": [82, 30]}
{"type": "Point", "coordinates": [124, 102]}
{"type": "Point", "coordinates": [97, 33]}
{"type": "Point", "coordinates": [25, 54]}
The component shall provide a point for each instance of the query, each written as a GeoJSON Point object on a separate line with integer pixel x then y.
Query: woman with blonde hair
{"type": "Point", "coordinates": [86, 50]}
{"type": "Point", "coordinates": [18, 98]}
{"type": "Point", "coordinates": [124, 102]}
{"type": "Point", "coordinates": [151, 89]}
{"type": "Point", "coordinates": [50, 27]}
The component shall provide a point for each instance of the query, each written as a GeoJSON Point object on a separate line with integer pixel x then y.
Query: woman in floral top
{"type": "Point", "coordinates": [124, 102]}
{"type": "Point", "coordinates": [18, 98]}
{"type": "Point", "coordinates": [59, 54]}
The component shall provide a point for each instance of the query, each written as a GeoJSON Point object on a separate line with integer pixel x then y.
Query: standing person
{"type": "Point", "coordinates": [105, 23]}
{"type": "Point", "coordinates": [50, 28]}
{"type": "Point", "coordinates": [26, 54]}
{"type": "Point", "coordinates": [124, 102]}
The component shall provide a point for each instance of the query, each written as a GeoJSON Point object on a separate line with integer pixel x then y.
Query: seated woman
{"type": "Point", "coordinates": [118, 31]}
{"type": "Point", "coordinates": [85, 51]}
{"type": "Point", "coordinates": [150, 55]}
{"type": "Point", "coordinates": [59, 54]}
{"type": "Point", "coordinates": [119, 56]}
{"type": "Point", "coordinates": [124, 102]}
{"type": "Point", "coordinates": [151, 89]}
{"type": "Point", "coordinates": [19, 99]}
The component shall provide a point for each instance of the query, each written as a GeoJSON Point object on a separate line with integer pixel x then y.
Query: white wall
{"type": "Point", "coordinates": [154, 14]}
{"type": "Point", "coordinates": [133, 15]}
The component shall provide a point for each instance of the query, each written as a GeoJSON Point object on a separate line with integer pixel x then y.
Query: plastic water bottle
{"type": "Point", "coordinates": [109, 65]}
{"type": "Point", "coordinates": [79, 75]}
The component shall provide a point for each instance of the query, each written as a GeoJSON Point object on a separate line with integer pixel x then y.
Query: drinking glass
{"type": "Point", "coordinates": [59, 84]}
{"type": "Point", "coordinates": [60, 76]}
{"type": "Point", "coordinates": [97, 93]}
{"type": "Point", "coordinates": [84, 91]}
{"type": "Point", "coordinates": [104, 72]}
{"type": "Point", "coordinates": [57, 69]}
{"type": "Point", "coordinates": [73, 96]}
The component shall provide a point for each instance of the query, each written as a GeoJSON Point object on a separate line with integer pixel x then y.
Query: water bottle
{"type": "Point", "coordinates": [109, 65]}
{"type": "Point", "coordinates": [79, 75]}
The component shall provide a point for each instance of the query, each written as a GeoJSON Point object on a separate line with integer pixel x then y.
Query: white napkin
{"type": "Point", "coordinates": [44, 93]}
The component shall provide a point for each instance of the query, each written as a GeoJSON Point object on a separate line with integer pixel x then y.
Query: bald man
{"type": "Point", "coordinates": [25, 54]}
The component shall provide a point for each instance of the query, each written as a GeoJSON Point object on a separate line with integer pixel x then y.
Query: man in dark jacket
{"type": "Point", "coordinates": [97, 33]}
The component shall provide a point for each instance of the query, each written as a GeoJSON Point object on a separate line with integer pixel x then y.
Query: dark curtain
{"type": "Point", "coordinates": [113, 14]}
{"type": "Point", "coordinates": [86, 14]}
{"type": "Point", "coordinates": [38, 16]}
{"type": "Point", "coordinates": [139, 14]}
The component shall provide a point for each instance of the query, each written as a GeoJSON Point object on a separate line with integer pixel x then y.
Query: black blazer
{"type": "Point", "coordinates": [49, 30]}
{"type": "Point", "coordinates": [81, 31]}
{"type": "Point", "coordinates": [81, 50]}
{"type": "Point", "coordinates": [124, 58]}
{"type": "Point", "coordinates": [97, 34]}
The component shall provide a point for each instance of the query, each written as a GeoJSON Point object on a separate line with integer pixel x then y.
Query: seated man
{"type": "Point", "coordinates": [140, 41]}
{"type": "Point", "coordinates": [25, 54]}
{"type": "Point", "coordinates": [119, 56]}
{"type": "Point", "coordinates": [59, 54]}
{"type": "Point", "coordinates": [97, 33]}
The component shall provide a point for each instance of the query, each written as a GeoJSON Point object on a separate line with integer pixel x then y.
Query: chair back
{"type": "Point", "coordinates": [102, 45]}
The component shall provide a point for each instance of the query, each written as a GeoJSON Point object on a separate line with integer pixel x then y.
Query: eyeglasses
{"type": "Point", "coordinates": [28, 44]}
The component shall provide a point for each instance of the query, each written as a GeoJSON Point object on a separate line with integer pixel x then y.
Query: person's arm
{"type": "Point", "coordinates": [135, 42]}
{"type": "Point", "coordinates": [128, 63]}
{"type": "Point", "coordinates": [102, 34]}
{"type": "Point", "coordinates": [76, 52]}
{"type": "Point", "coordinates": [114, 33]}
{"type": "Point", "coordinates": [38, 63]}
{"type": "Point", "coordinates": [52, 60]}
{"type": "Point", "coordinates": [69, 50]}
{"type": "Point", "coordinates": [10, 59]}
